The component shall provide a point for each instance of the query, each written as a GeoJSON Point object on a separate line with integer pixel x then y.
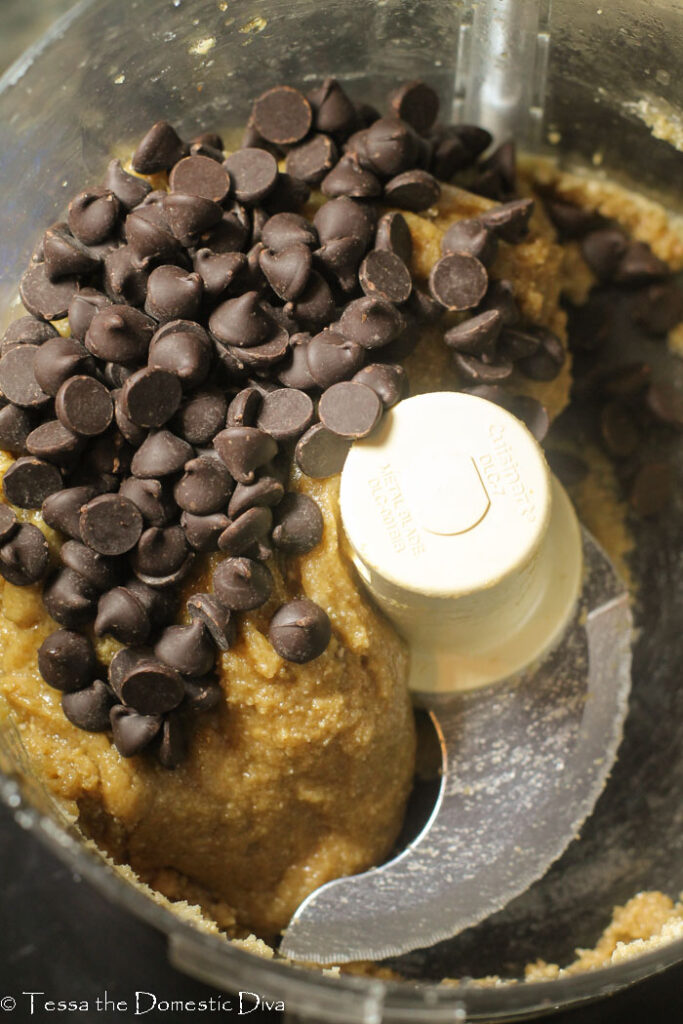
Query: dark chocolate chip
{"type": "Point", "coordinates": [253, 172]}
{"type": "Point", "coordinates": [388, 380]}
{"type": "Point", "coordinates": [242, 583]}
{"type": "Point", "coordinates": [120, 334]}
{"type": "Point", "coordinates": [149, 397]}
{"type": "Point", "coordinates": [333, 111]}
{"type": "Point", "coordinates": [287, 271]}
{"type": "Point", "coordinates": [618, 429]}
{"type": "Point", "coordinates": [200, 176]}
{"type": "Point", "coordinates": [201, 416]}
{"type": "Point", "coordinates": [320, 453]}
{"type": "Point", "coordinates": [202, 532]}
{"type": "Point", "coordinates": [285, 413]}
{"type": "Point", "coordinates": [134, 434]}
{"type": "Point", "coordinates": [293, 371]}
{"type": "Point", "coordinates": [266, 491]}
{"type": "Point", "coordinates": [172, 749]}
{"type": "Point", "coordinates": [65, 255]}
{"type": "Point", "coordinates": [161, 454]}
{"type": "Point", "coordinates": [603, 250]}
{"type": "Point", "coordinates": [173, 294]}
{"type": "Point", "coordinates": [89, 708]}
{"type": "Point", "coordinates": [18, 381]}
{"type": "Point", "coordinates": [417, 103]}
{"type": "Point", "coordinates": [371, 322]}
{"type": "Point", "coordinates": [500, 295]}
{"type": "Point", "coordinates": [458, 281]}
{"type": "Point", "coordinates": [300, 631]}
{"type": "Point", "coordinates": [349, 409]}
{"type": "Point", "coordinates": [519, 343]}
{"type": "Point", "coordinates": [638, 265]}
{"type": "Point", "coordinates": [298, 524]}
{"type": "Point", "coordinates": [54, 442]}
{"type": "Point", "coordinates": [393, 234]}
{"type": "Point", "coordinates": [282, 115]}
{"type": "Point", "coordinates": [121, 614]}
{"type": "Point", "coordinates": [102, 573]}
{"type": "Point", "coordinates": [548, 360]}
{"type": "Point", "coordinates": [45, 298]}
{"type": "Point", "coordinates": [110, 524]}
{"type": "Point", "coordinates": [476, 336]}
{"type": "Point", "coordinates": [230, 234]}
{"type": "Point", "coordinates": [480, 372]}
{"type": "Point", "coordinates": [338, 260]}
{"type": "Point", "coordinates": [24, 556]}
{"type": "Point", "coordinates": [242, 533]}
{"type": "Point", "coordinates": [391, 146]}
{"type": "Point", "coordinates": [244, 450]}
{"type": "Point", "coordinates": [150, 237]}
{"type": "Point", "coordinates": [241, 321]}
{"type": "Point", "coordinates": [343, 217]}
{"type": "Point", "coordinates": [205, 486]}
{"type": "Point", "coordinates": [8, 523]}
{"type": "Point", "coordinates": [58, 359]}
{"type": "Point", "coordinates": [109, 453]}
{"type": "Point", "coordinates": [69, 598]}
{"type": "Point", "coordinates": [29, 481]}
{"type": "Point", "coordinates": [62, 509]}
{"type": "Point", "coordinates": [471, 236]}
{"type": "Point", "coordinates": [571, 221]}
{"type": "Point", "coordinates": [412, 190]}
{"type": "Point", "coordinates": [189, 217]}
{"type": "Point", "coordinates": [131, 731]}
{"type": "Point", "coordinates": [315, 306]}
{"type": "Point", "coordinates": [218, 620]}
{"type": "Point", "coordinates": [385, 275]}
{"type": "Point", "coordinates": [27, 330]}
{"type": "Point", "coordinates": [124, 278]}
{"type": "Point", "coordinates": [66, 660]}
{"type": "Point", "coordinates": [15, 426]}
{"type": "Point", "coordinates": [94, 215]}
{"type": "Point", "coordinates": [158, 150]}
{"type": "Point", "coordinates": [183, 348]}
{"type": "Point", "coordinates": [202, 694]}
{"type": "Point", "coordinates": [219, 271]}
{"type": "Point", "coordinates": [152, 497]}
{"type": "Point", "coordinates": [84, 406]}
{"type": "Point", "coordinates": [509, 221]}
{"type": "Point", "coordinates": [332, 357]}
{"type": "Point", "coordinates": [423, 307]}
{"type": "Point", "coordinates": [161, 604]}
{"type": "Point", "coordinates": [283, 230]}
{"type": "Point", "coordinates": [160, 551]}
{"type": "Point", "coordinates": [348, 178]}
{"type": "Point", "coordinates": [128, 189]}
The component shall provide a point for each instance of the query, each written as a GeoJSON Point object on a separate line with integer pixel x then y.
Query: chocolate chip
{"type": "Point", "coordinates": [253, 172]}
{"type": "Point", "coordinates": [333, 111]}
{"type": "Point", "coordinates": [651, 490]}
{"type": "Point", "coordinates": [8, 523]}
{"type": "Point", "coordinates": [152, 497]}
{"type": "Point", "coordinates": [388, 380]}
{"type": "Point", "coordinates": [298, 524]}
{"type": "Point", "coordinates": [343, 217]}
{"type": "Point", "coordinates": [497, 174]}
{"type": "Point", "coordinates": [150, 237]}
{"type": "Point", "coordinates": [110, 524]}
{"type": "Point", "coordinates": [182, 348]}
{"type": "Point", "coordinates": [200, 176]}
{"type": "Point", "coordinates": [218, 620]}
{"type": "Point", "coordinates": [120, 334]}
{"type": "Point", "coordinates": [241, 321]}
{"type": "Point", "coordinates": [288, 270]}
{"type": "Point", "coordinates": [202, 532]}
{"type": "Point", "coordinates": [69, 598]}
{"type": "Point", "coordinates": [65, 255]}
{"type": "Point", "coordinates": [231, 232]}
{"type": "Point", "coordinates": [57, 360]}
{"type": "Point", "coordinates": [244, 450]}
{"type": "Point", "coordinates": [338, 260]}
{"type": "Point", "coordinates": [571, 220]}
{"type": "Point", "coordinates": [160, 552]}
{"type": "Point", "coordinates": [210, 139]}
{"type": "Point", "coordinates": [293, 371]}
{"type": "Point", "coordinates": [519, 343]}
{"type": "Point", "coordinates": [417, 103]}
{"type": "Point", "coordinates": [24, 557]}
{"type": "Point", "coordinates": [315, 306]}
{"type": "Point", "coordinates": [349, 409]}
{"type": "Point", "coordinates": [128, 189]}
{"type": "Point", "coordinates": [394, 235]}
{"type": "Point", "coordinates": [458, 281]}
{"type": "Point", "coordinates": [15, 426]}
{"type": "Point", "coordinates": [121, 614]}
{"type": "Point", "coordinates": [423, 307]}
{"type": "Point", "coordinates": [242, 584]}
{"type": "Point", "coordinates": [173, 294]}
{"type": "Point", "coordinates": [17, 377]}
{"type": "Point", "coordinates": [300, 631]}
{"type": "Point", "coordinates": [244, 407]}
{"type": "Point", "coordinates": [27, 331]}
{"type": "Point", "coordinates": [131, 731]}
{"type": "Point", "coordinates": [241, 534]}
{"type": "Point", "coordinates": [348, 178]}
{"type": "Point", "coordinates": [102, 573]}
{"type": "Point", "coordinates": [161, 454]}
{"type": "Point", "coordinates": [202, 694]}
{"type": "Point", "coordinates": [283, 230]}
{"type": "Point", "coordinates": [412, 190]}
{"type": "Point", "coordinates": [602, 250]}
{"type": "Point", "coordinates": [84, 406]}
{"type": "Point", "coordinates": [665, 402]}
{"type": "Point", "coordinates": [62, 509]}
{"type": "Point", "coordinates": [658, 308]}
{"type": "Point", "coordinates": [385, 275]}
{"type": "Point", "coordinates": [478, 371]}
{"type": "Point", "coordinates": [332, 357]}
{"type": "Point", "coordinates": [285, 414]}
{"type": "Point", "coordinates": [476, 336]}
{"type": "Point", "coordinates": [89, 708]}
{"type": "Point", "coordinates": [160, 603]}
{"type": "Point", "coordinates": [109, 454]}
{"type": "Point", "coordinates": [201, 417]}
{"type": "Point", "coordinates": [29, 481]}
{"type": "Point", "coordinates": [54, 442]}
{"type": "Point", "coordinates": [638, 265]}
{"type": "Point", "coordinates": [313, 159]}
{"type": "Point", "coordinates": [371, 322]}
{"type": "Point", "coordinates": [509, 221]}
{"type": "Point", "coordinates": [205, 486]}
{"type": "Point", "coordinates": [124, 278]}
{"type": "Point", "coordinates": [320, 453]}
{"type": "Point", "coordinates": [282, 115]}
{"type": "Point", "coordinates": [619, 431]}
{"type": "Point", "coordinates": [172, 749]}
{"type": "Point", "coordinates": [158, 150]}
{"type": "Point", "coordinates": [500, 295]}
{"type": "Point", "coordinates": [471, 236]}
{"type": "Point", "coordinates": [93, 216]}
{"type": "Point", "coordinates": [391, 146]}
{"type": "Point", "coordinates": [130, 431]}
{"type": "Point", "coordinates": [548, 360]}
{"type": "Point", "coordinates": [532, 413]}
{"type": "Point", "coordinates": [149, 397]}
{"type": "Point", "coordinates": [218, 271]}
{"type": "Point", "coordinates": [265, 491]}
{"type": "Point", "coordinates": [66, 660]}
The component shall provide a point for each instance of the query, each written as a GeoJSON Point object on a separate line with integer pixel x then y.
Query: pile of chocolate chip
{"type": "Point", "coordinates": [217, 334]}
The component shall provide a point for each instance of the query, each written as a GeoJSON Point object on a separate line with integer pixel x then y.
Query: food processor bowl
{"type": "Point", "coordinates": [606, 88]}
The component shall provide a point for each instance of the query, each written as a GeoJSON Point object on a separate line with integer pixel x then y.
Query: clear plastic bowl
{"type": "Point", "coordinates": [105, 72]}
